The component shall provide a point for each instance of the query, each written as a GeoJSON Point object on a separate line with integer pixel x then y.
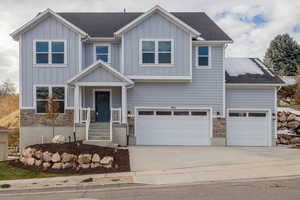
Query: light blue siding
{"type": "Point", "coordinates": [157, 27]}
{"type": "Point", "coordinates": [260, 98]}
{"type": "Point", "coordinates": [205, 90]}
{"type": "Point", "coordinates": [89, 96]}
{"type": "Point", "coordinates": [47, 30]}
{"type": "Point", "coordinates": [99, 75]}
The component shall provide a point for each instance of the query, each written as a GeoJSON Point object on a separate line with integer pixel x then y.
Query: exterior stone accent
{"type": "Point", "coordinates": [219, 127]}
{"type": "Point", "coordinates": [28, 117]}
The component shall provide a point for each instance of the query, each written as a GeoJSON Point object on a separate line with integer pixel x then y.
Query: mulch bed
{"type": "Point", "coordinates": [121, 157]}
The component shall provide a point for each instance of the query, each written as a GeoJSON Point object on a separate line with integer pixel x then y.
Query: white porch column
{"type": "Point", "coordinates": [124, 105]}
{"type": "Point", "coordinates": [76, 104]}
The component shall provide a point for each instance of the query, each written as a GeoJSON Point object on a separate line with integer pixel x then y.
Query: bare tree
{"type": "Point", "coordinates": [52, 112]}
{"type": "Point", "coordinates": [7, 88]}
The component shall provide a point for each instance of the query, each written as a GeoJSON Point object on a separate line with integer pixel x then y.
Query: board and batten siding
{"type": "Point", "coordinates": [252, 98]}
{"type": "Point", "coordinates": [115, 55]}
{"type": "Point", "coordinates": [157, 27]}
{"type": "Point", "coordinates": [99, 75]}
{"type": "Point", "coordinates": [205, 90]}
{"type": "Point", "coordinates": [49, 29]}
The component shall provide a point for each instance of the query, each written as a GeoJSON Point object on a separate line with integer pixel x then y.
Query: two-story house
{"type": "Point", "coordinates": [153, 78]}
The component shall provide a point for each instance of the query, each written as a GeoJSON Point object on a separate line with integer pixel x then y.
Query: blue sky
{"type": "Point", "coordinates": [251, 24]}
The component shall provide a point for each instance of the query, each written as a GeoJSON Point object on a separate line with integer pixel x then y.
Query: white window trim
{"type": "Point", "coordinates": [50, 54]}
{"type": "Point", "coordinates": [102, 44]}
{"type": "Point", "coordinates": [50, 94]}
{"type": "Point", "coordinates": [197, 66]}
{"type": "Point", "coordinates": [156, 64]}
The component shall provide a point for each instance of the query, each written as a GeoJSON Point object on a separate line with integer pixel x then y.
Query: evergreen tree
{"type": "Point", "coordinates": [283, 55]}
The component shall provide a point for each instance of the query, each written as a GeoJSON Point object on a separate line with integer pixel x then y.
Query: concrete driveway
{"type": "Point", "coordinates": [177, 164]}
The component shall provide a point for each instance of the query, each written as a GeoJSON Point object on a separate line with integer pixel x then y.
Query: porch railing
{"type": "Point", "coordinates": [85, 117]}
{"type": "Point", "coordinates": [116, 115]}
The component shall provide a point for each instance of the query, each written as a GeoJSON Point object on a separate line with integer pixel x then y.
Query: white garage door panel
{"type": "Point", "coordinates": [172, 130]}
{"type": "Point", "coordinates": [248, 131]}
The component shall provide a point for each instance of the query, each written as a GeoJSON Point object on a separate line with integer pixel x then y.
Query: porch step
{"type": "Point", "coordinates": [99, 131]}
{"type": "Point", "coordinates": [98, 137]}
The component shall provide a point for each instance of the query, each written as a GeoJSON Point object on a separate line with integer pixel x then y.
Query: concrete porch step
{"type": "Point", "coordinates": [99, 137]}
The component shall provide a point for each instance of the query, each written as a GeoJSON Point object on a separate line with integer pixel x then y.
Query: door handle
{"type": "Point", "coordinates": [96, 113]}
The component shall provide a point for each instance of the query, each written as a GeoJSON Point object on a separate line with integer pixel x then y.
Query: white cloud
{"type": "Point", "coordinates": [249, 40]}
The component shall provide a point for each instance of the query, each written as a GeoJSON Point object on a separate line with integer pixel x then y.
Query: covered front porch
{"type": "Point", "coordinates": [100, 103]}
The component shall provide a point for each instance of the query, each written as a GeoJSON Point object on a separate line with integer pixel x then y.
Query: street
{"type": "Point", "coordinates": [247, 190]}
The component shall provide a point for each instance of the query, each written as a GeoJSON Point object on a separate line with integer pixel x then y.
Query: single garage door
{"type": "Point", "coordinates": [173, 127]}
{"type": "Point", "coordinates": [248, 128]}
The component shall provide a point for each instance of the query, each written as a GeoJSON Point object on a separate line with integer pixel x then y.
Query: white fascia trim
{"type": "Point", "coordinates": [45, 13]}
{"type": "Point", "coordinates": [101, 39]}
{"type": "Point", "coordinates": [100, 84]}
{"type": "Point", "coordinates": [212, 42]}
{"type": "Point", "coordinates": [164, 13]}
{"type": "Point", "coordinates": [99, 63]}
{"type": "Point", "coordinates": [253, 85]}
{"type": "Point", "coordinates": [160, 77]}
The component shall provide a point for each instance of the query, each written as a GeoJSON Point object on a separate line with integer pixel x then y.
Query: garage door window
{"type": "Point", "coordinates": [181, 113]}
{"type": "Point", "coordinates": [163, 113]}
{"type": "Point", "coordinates": [237, 114]}
{"type": "Point", "coordinates": [198, 113]}
{"type": "Point", "coordinates": [251, 114]}
{"type": "Point", "coordinates": [146, 112]}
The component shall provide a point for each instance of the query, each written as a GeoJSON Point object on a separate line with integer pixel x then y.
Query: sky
{"type": "Point", "coordinates": [252, 24]}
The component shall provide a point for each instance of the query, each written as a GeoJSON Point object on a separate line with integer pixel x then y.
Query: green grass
{"type": "Point", "coordinates": [7, 172]}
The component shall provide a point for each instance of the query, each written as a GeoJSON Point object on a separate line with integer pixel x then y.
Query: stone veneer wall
{"type": "Point", "coordinates": [219, 127]}
{"type": "Point", "coordinates": [28, 117]}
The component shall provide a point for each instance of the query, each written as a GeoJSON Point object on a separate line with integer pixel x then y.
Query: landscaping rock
{"type": "Point", "coordinates": [57, 165]}
{"type": "Point", "coordinates": [46, 165]}
{"type": "Point", "coordinates": [28, 152]}
{"type": "Point", "coordinates": [96, 158]}
{"type": "Point", "coordinates": [293, 124]}
{"type": "Point", "coordinates": [47, 156]}
{"type": "Point", "coordinates": [59, 139]}
{"type": "Point", "coordinates": [291, 117]}
{"type": "Point", "coordinates": [29, 161]}
{"type": "Point", "coordinates": [84, 158]}
{"type": "Point", "coordinates": [67, 165]}
{"type": "Point", "coordinates": [66, 157]}
{"type": "Point", "coordinates": [281, 117]}
{"type": "Point", "coordinates": [38, 154]}
{"type": "Point", "coordinates": [295, 140]}
{"type": "Point", "coordinates": [84, 166]}
{"type": "Point", "coordinates": [55, 157]}
{"type": "Point", "coordinates": [107, 160]}
{"type": "Point", "coordinates": [95, 165]}
{"type": "Point", "coordinates": [38, 163]}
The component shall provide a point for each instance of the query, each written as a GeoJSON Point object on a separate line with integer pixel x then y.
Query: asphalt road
{"type": "Point", "coordinates": [245, 190]}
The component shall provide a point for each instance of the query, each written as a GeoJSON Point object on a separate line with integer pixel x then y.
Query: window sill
{"type": "Point", "coordinates": [201, 67]}
{"type": "Point", "coordinates": [157, 65]}
{"type": "Point", "coordinates": [50, 65]}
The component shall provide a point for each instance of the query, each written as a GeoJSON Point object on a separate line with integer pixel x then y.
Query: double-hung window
{"type": "Point", "coordinates": [202, 58]}
{"type": "Point", "coordinates": [49, 52]}
{"type": "Point", "coordinates": [156, 52]}
{"type": "Point", "coordinates": [43, 93]}
{"type": "Point", "coordinates": [102, 52]}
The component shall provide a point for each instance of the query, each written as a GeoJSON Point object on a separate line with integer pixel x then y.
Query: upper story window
{"type": "Point", "coordinates": [203, 56]}
{"type": "Point", "coordinates": [102, 52]}
{"type": "Point", "coordinates": [48, 52]}
{"type": "Point", "coordinates": [42, 96]}
{"type": "Point", "coordinates": [156, 52]}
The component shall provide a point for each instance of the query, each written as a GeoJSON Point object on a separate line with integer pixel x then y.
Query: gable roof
{"type": "Point", "coordinates": [249, 71]}
{"type": "Point", "coordinates": [110, 22]}
{"type": "Point", "coordinates": [95, 66]}
{"type": "Point", "coordinates": [40, 17]}
{"type": "Point", "coordinates": [164, 13]}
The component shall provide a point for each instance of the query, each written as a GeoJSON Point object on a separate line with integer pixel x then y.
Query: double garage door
{"type": "Point", "coordinates": [173, 127]}
{"type": "Point", "coordinates": [249, 128]}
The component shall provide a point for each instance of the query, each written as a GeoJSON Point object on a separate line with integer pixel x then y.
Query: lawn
{"type": "Point", "coordinates": [7, 172]}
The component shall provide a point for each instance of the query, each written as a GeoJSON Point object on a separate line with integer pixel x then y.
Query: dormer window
{"type": "Point", "coordinates": [102, 52]}
{"type": "Point", "coordinates": [203, 56]}
{"type": "Point", "coordinates": [49, 52]}
{"type": "Point", "coordinates": [156, 52]}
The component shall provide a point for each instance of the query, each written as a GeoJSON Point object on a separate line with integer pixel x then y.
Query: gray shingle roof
{"type": "Point", "coordinates": [105, 24]}
{"type": "Point", "coordinates": [238, 71]}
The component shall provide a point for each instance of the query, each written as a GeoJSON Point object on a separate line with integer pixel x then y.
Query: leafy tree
{"type": "Point", "coordinates": [7, 88]}
{"type": "Point", "coordinates": [283, 55]}
{"type": "Point", "coordinates": [52, 112]}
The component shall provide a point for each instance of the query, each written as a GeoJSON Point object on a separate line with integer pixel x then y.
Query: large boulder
{"type": "Point", "coordinates": [38, 163]}
{"type": "Point", "coordinates": [38, 154]}
{"type": "Point", "coordinates": [84, 158]}
{"type": "Point", "coordinates": [67, 165]}
{"type": "Point", "coordinates": [95, 165]}
{"type": "Point", "coordinates": [293, 125]}
{"type": "Point", "coordinates": [295, 140]}
{"type": "Point", "coordinates": [46, 165]}
{"type": "Point", "coordinates": [58, 165]}
{"type": "Point", "coordinates": [59, 139]}
{"type": "Point", "coordinates": [281, 117]}
{"type": "Point", "coordinates": [291, 117]}
{"type": "Point", "coordinates": [28, 152]}
{"type": "Point", "coordinates": [67, 157]}
{"type": "Point", "coordinates": [47, 156]}
{"type": "Point", "coordinates": [107, 161]}
{"type": "Point", "coordinates": [96, 158]}
{"type": "Point", "coordinates": [84, 166]}
{"type": "Point", "coordinates": [55, 157]}
{"type": "Point", "coordinates": [29, 161]}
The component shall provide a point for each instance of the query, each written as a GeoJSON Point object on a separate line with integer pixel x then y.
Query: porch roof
{"type": "Point", "coordinates": [100, 73]}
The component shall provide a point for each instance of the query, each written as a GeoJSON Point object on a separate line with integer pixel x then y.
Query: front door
{"type": "Point", "coordinates": [102, 106]}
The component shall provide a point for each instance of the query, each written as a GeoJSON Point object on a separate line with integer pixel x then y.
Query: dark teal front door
{"type": "Point", "coordinates": [102, 106]}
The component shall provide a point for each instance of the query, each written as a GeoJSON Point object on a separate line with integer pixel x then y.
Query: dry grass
{"type": "Point", "coordinates": [8, 104]}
